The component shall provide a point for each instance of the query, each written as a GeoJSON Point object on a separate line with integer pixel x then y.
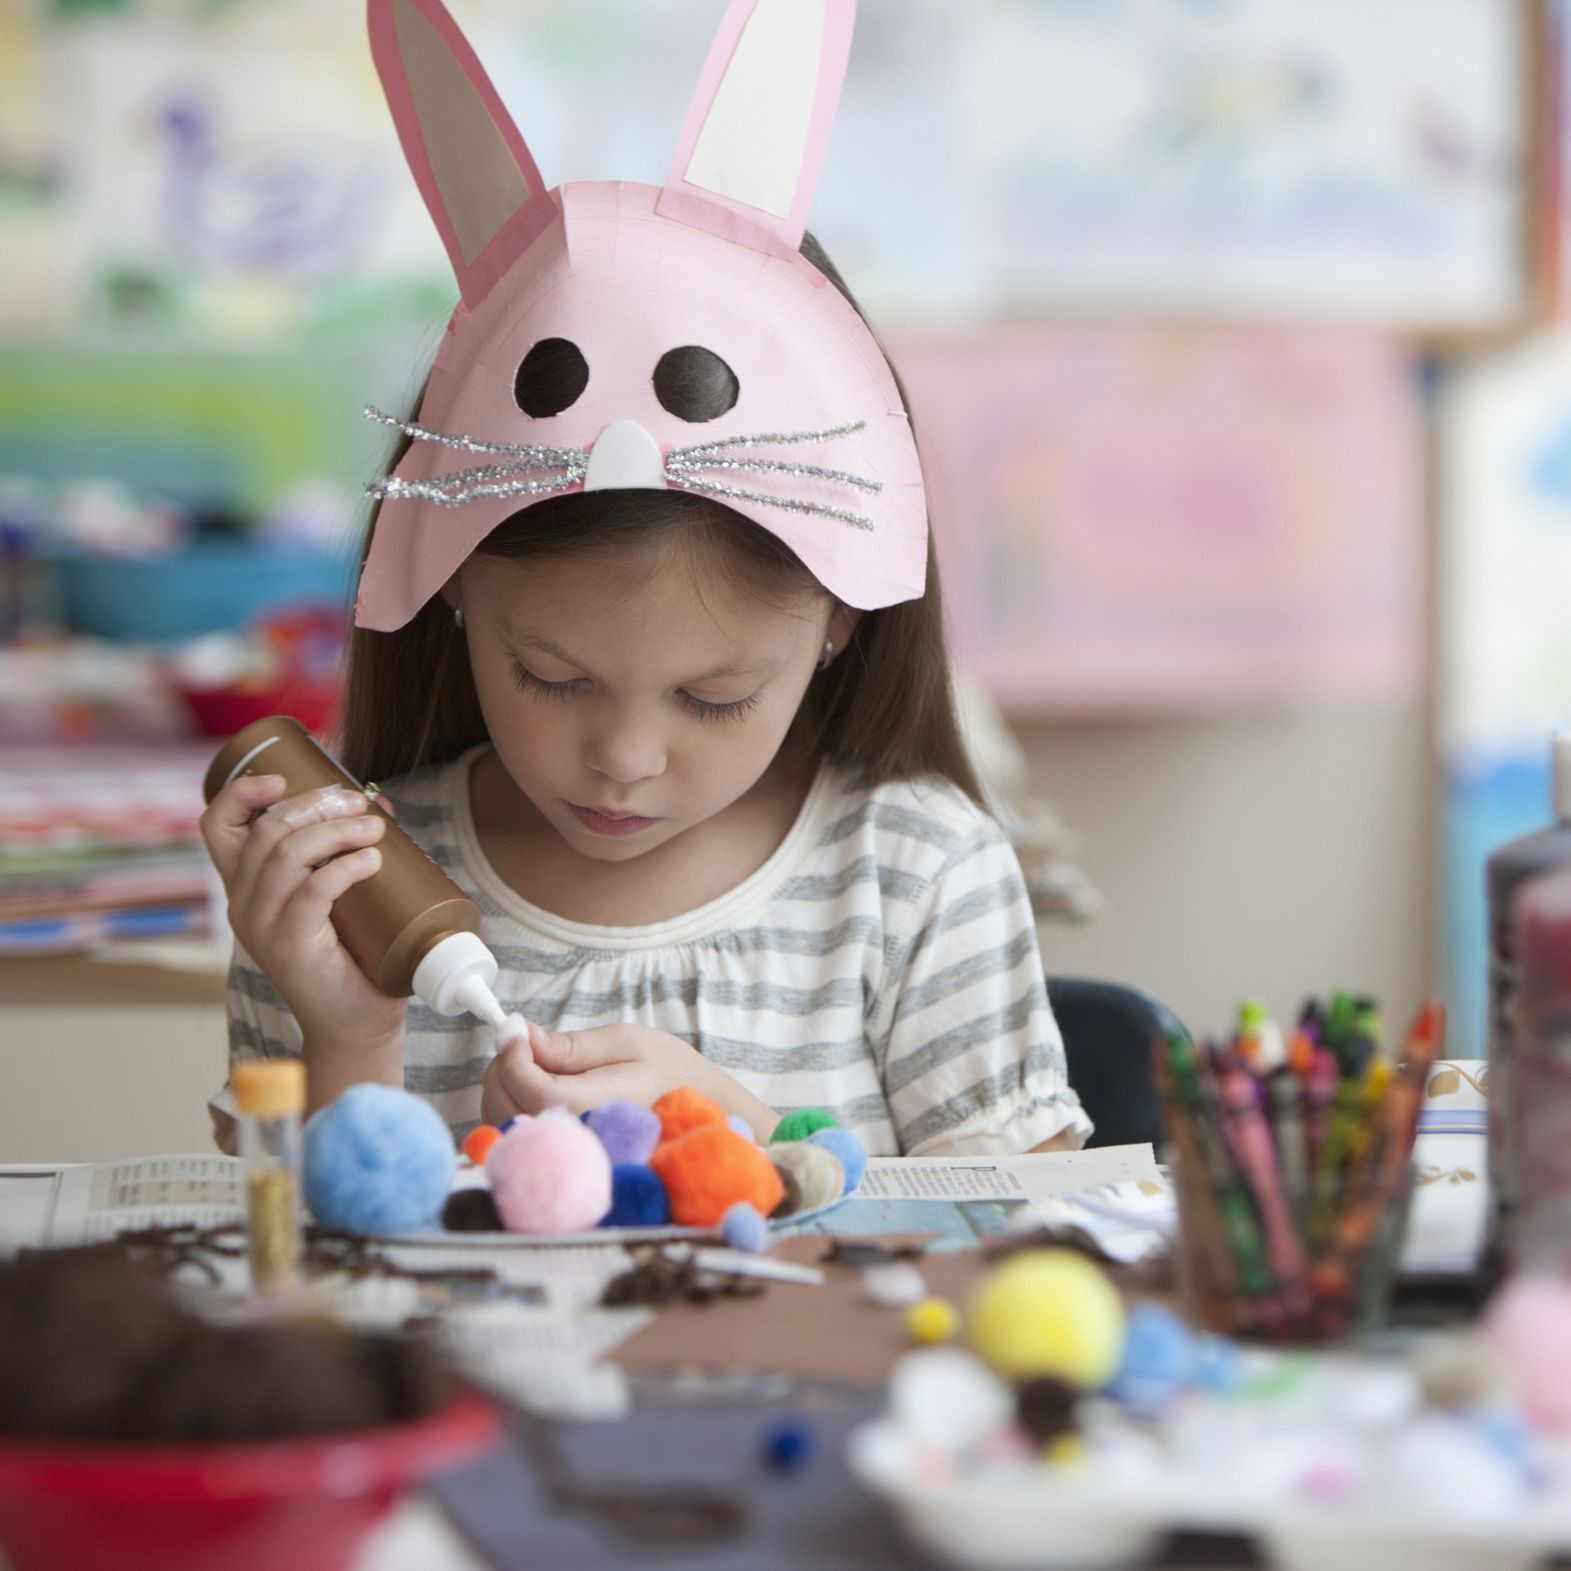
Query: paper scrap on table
{"type": "Point", "coordinates": [90, 1202]}
{"type": "Point", "coordinates": [1032, 1177]}
{"type": "Point", "coordinates": [1128, 1222]}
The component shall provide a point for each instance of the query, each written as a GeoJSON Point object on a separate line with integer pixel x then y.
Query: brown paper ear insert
{"type": "Point", "coordinates": [833, 1333]}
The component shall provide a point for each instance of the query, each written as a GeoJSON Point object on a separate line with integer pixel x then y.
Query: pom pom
{"type": "Point", "coordinates": [1528, 1322]}
{"type": "Point", "coordinates": [1160, 1359]}
{"type": "Point", "coordinates": [790, 1199]}
{"type": "Point", "coordinates": [742, 1127]}
{"type": "Point", "coordinates": [471, 1211]}
{"type": "Point", "coordinates": [478, 1142]}
{"type": "Point", "coordinates": [709, 1169]}
{"type": "Point", "coordinates": [818, 1173]}
{"type": "Point", "coordinates": [628, 1132]}
{"type": "Point", "coordinates": [377, 1160]}
{"type": "Point", "coordinates": [1049, 1312]}
{"type": "Point", "coordinates": [932, 1321]}
{"type": "Point", "coordinates": [744, 1228]}
{"type": "Point", "coordinates": [800, 1124]}
{"type": "Point", "coordinates": [788, 1447]}
{"type": "Point", "coordinates": [638, 1198]}
{"type": "Point", "coordinates": [850, 1151]}
{"type": "Point", "coordinates": [550, 1176]}
{"type": "Point", "coordinates": [683, 1110]}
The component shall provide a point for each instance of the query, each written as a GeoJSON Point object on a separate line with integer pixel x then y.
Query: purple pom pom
{"type": "Point", "coordinates": [628, 1132]}
{"type": "Point", "coordinates": [742, 1127]}
{"type": "Point", "coordinates": [744, 1229]}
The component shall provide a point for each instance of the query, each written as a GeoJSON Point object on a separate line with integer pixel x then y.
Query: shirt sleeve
{"type": "Point", "coordinates": [260, 1026]}
{"type": "Point", "coordinates": [970, 1054]}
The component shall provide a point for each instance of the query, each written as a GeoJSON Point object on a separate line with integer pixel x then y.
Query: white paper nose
{"type": "Point", "coordinates": [625, 458]}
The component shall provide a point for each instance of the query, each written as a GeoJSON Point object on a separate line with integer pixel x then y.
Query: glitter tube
{"type": "Point", "coordinates": [269, 1095]}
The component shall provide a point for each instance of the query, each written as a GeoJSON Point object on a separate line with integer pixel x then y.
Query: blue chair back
{"type": "Point", "coordinates": [1108, 1032]}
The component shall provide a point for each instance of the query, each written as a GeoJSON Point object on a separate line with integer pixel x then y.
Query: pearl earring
{"type": "Point", "coordinates": [458, 616]}
{"type": "Point", "coordinates": [827, 656]}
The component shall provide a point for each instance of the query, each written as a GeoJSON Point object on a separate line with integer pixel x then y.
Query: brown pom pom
{"type": "Point", "coordinates": [471, 1211]}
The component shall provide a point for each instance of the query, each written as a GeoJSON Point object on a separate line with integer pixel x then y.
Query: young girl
{"type": "Point", "coordinates": [659, 679]}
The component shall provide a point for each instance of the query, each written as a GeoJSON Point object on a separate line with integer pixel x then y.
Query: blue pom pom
{"type": "Point", "coordinates": [1161, 1357]}
{"type": "Point", "coordinates": [638, 1198]}
{"type": "Point", "coordinates": [788, 1447]}
{"type": "Point", "coordinates": [845, 1145]}
{"type": "Point", "coordinates": [378, 1160]}
{"type": "Point", "coordinates": [744, 1229]}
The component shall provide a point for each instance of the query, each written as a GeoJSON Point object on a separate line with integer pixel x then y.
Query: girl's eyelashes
{"type": "Point", "coordinates": [558, 692]}
{"type": "Point", "coordinates": [707, 711]}
{"type": "Point", "coordinates": [526, 681]}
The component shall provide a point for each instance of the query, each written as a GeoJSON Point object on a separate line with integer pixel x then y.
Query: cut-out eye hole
{"type": "Point", "coordinates": [551, 377]}
{"type": "Point", "coordinates": [695, 384]}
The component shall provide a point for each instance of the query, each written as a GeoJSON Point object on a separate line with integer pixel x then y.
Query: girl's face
{"type": "Point", "coordinates": [628, 709]}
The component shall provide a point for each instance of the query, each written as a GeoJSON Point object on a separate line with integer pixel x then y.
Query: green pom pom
{"type": "Point", "coordinates": [802, 1123]}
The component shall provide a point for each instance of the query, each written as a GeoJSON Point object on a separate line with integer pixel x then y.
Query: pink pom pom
{"type": "Point", "coordinates": [550, 1176]}
{"type": "Point", "coordinates": [1528, 1322]}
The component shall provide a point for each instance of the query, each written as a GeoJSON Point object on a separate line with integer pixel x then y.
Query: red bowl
{"type": "Point", "coordinates": [247, 1506]}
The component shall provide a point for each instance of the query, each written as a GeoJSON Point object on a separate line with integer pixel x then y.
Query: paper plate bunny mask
{"type": "Point", "coordinates": [624, 283]}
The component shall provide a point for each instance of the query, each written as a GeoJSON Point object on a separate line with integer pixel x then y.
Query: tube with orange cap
{"type": "Point", "coordinates": [269, 1095]}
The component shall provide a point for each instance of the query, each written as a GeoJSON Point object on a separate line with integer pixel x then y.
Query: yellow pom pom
{"type": "Point", "coordinates": [1049, 1312]}
{"type": "Point", "coordinates": [1064, 1451]}
{"type": "Point", "coordinates": [932, 1320]}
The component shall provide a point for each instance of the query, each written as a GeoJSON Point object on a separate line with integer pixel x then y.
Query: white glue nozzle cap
{"type": "Point", "coordinates": [456, 974]}
{"type": "Point", "coordinates": [1560, 769]}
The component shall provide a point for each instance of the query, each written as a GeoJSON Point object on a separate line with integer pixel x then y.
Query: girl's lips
{"type": "Point", "coordinates": [604, 824]}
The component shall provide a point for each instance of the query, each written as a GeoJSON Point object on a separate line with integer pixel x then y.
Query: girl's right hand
{"type": "Point", "coordinates": [283, 869]}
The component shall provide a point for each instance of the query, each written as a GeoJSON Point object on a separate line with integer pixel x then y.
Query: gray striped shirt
{"type": "Point", "coordinates": [882, 964]}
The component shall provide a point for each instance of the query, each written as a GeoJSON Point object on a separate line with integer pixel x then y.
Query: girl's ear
{"type": "Point", "coordinates": [754, 139]}
{"type": "Point", "coordinates": [478, 179]}
{"type": "Point", "coordinates": [842, 624]}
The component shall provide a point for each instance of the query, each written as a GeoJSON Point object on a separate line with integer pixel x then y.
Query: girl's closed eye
{"type": "Point", "coordinates": [706, 710]}
{"type": "Point", "coordinates": [526, 681]}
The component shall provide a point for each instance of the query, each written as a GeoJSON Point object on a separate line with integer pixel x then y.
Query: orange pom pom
{"type": "Point", "coordinates": [709, 1169]}
{"type": "Point", "coordinates": [478, 1142]}
{"type": "Point", "coordinates": [683, 1110]}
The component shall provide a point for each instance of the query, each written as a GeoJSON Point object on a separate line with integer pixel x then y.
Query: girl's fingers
{"type": "Point", "coordinates": [573, 1052]}
{"type": "Point", "coordinates": [534, 1089]}
{"type": "Point", "coordinates": [306, 912]}
{"type": "Point", "coordinates": [289, 863]}
{"type": "Point", "coordinates": [226, 822]}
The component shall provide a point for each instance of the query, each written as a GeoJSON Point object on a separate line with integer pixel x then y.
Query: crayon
{"type": "Point", "coordinates": [1209, 1236]}
{"type": "Point", "coordinates": [1319, 1091]}
{"type": "Point", "coordinates": [1285, 1090]}
{"type": "Point", "coordinates": [1237, 1215]}
{"type": "Point", "coordinates": [1257, 1159]}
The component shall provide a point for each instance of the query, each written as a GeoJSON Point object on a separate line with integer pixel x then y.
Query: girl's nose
{"type": "Point", "coordinates": [626, 754]}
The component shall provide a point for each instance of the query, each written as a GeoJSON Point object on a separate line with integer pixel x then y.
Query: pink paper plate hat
{"type": "Point", "coordinates": [613, 277]}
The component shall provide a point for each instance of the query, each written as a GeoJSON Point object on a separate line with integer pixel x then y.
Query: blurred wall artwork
{"type": "Point", "coordinates": [1505, 682]}
{"type": "Point", "coordinates": [1167, 520]}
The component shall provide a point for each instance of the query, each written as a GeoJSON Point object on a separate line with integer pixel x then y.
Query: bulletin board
{"type": "Point", "coordinates": [1166, 521]}
{"type": "Point", "coordinates": [1356, 162]}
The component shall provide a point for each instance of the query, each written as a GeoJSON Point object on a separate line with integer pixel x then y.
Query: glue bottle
{"type": "Point", "coordinates": [1541, 1021]}
{"type": "Point", "coordinates": [1508, 868]}
{"type": "Point", "coordinates": [269, 1095]}
{"type": "Point", "coordinates": [410, 928]}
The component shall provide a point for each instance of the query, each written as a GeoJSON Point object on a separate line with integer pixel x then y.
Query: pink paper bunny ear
{"type": "Point", "coordinates": [747, 163]}
{"type": "Point", "coordinates": [473, 169]}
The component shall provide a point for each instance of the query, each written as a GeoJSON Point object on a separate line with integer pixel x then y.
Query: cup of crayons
{"type": "Point", "coordinates": [1292, 1165]}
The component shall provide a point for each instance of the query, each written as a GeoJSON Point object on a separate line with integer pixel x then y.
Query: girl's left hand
{"type": "Point", "coordinates": [579, 1070]}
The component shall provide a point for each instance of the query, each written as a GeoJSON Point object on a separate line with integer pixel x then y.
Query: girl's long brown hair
{"type": "Point", "coordinates": [884, 709]}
